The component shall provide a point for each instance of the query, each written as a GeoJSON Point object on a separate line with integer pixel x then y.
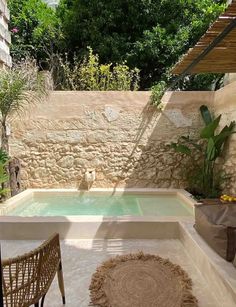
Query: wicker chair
{"type": "Point", "coordinates": [27, 278]}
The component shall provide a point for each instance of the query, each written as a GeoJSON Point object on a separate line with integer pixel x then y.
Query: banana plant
{"type": "Point", "coordinates": [209, 146]}
{"type": "Point", "coordinates": [215, 143]}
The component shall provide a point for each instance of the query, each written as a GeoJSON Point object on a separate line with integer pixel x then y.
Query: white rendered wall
{"type": "Point", "coordinates": [5, 37]}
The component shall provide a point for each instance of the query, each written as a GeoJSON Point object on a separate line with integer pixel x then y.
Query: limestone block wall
{"type": "Point", "coordinates": [117, 133]}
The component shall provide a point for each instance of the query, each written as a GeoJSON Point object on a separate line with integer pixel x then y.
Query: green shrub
{"type": "Point", "coordinates": [158, 91]}
{"type": "Point", "coordinates": [90, 75]}
{"type": "Point", "coordinates": [201, 82]}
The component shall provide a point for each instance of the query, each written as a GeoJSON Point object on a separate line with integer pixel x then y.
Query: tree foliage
{"type": "Point", "coordinates": [149, 34]}
{"type": "Point", "coordinates": [35, 29]}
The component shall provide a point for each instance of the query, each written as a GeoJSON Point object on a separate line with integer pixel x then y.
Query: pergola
{"type": "Point", "coordinates": [216, 50]}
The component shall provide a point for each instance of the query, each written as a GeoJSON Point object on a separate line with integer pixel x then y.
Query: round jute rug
{"type": "Point", "coordinates": [141, 280]}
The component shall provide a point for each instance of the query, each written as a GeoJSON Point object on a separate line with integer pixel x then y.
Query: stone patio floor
{"type": "Point", "coordinates": [81, 257]}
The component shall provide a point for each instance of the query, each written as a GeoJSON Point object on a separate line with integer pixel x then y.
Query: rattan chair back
{"type": "Point", "coordinates": [27, 278]}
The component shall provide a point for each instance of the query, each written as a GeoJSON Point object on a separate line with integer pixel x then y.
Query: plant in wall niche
{"type": "Point", "coordinates": [204, 176]}
{"type": "Point", "coordinates": [19, 86]}
{"type": "Point", "coordinates": [90, 75]}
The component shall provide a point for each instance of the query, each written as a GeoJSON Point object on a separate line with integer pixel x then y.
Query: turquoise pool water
{"type": "Point", "coordinates": [106, 205]}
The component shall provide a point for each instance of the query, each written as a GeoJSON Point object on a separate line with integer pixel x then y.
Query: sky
{"type": "Point", "coordinates": [52, 2]}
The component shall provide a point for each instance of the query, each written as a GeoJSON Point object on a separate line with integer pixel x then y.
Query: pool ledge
{"type": "Point", "coordinates": [90, 227]}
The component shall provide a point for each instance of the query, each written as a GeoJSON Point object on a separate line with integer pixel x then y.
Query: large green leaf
{"type": "Point", "coordinates": [206, 115]}
{"type": "Point", "coordinates": [211, 150]}
{"type": "Point", "coordinates": [209, 130]}
{"type": "Point", "coordinates": [228, 128]}
{"type": "Point", "coordinates": [221, 138]}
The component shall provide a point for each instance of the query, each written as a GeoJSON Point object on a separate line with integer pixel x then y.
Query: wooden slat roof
{"type": "Point", "coordinates": [222, 58]}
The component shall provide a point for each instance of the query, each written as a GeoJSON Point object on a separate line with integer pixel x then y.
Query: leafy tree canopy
{"type": "Point", "coordinates": [35, 29]}
{"type": "Point", "coordinates": [149, 34]}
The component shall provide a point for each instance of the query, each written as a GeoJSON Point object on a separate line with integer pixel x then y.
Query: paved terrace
{"type": "Point", "coordinates": [81, 257]}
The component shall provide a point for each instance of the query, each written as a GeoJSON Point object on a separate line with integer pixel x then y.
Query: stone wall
{"type": "Point", "coordinates": [117, 133]}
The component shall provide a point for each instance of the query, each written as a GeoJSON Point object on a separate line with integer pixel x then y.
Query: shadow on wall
{"type": "Point", "coordinates": [130, 172]}
{"type": "Point", "coordinates": [151, 162]}
{"type": "Point", "coordinates": [134, 151]}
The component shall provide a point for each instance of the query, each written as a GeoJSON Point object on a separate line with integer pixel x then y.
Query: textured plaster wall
{"type": "Point", "coordinates": [117, 133]}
